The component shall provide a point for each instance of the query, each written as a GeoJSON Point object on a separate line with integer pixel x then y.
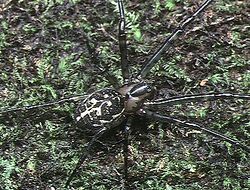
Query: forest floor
{"type": "Point", "coordinates": [50, 50]}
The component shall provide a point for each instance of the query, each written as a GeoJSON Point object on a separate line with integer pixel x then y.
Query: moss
{"type": "Point", "coordinates": [44, 56]}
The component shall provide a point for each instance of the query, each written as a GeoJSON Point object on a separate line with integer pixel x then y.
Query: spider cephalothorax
{"type": "Point", "coordinates": [135, 95]}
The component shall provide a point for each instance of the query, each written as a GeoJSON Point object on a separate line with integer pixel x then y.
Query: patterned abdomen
{"type": "Point", "coordinates": [103, 108]}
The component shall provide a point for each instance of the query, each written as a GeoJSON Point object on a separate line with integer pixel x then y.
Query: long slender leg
{"type": "Point", "coordinates": [125, 150]}
{"type": "Point", "coordinates": [26, 108]}
{"type": "Point", "coordinates": [168, 42]}
{"type": "Point", "coordinates": [94, 59]}
{"type": "Point", "coordinates": [196, 97]}
{"type": "Point", "coordinates": [123, 42]}
{"type": "Point", "coordinates": [84, 155]}
{"type": "Point", "coordinates": [164, 118]}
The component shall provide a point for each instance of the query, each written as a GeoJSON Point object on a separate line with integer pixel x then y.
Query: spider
{"type": "Point", "coordinates": [107, 108]}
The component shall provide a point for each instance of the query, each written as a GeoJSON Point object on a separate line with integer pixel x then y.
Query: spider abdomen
{"type": "Point", "coordinates": [103, 108]}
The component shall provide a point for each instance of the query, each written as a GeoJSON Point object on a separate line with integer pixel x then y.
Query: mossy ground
{"type": "Point", "coordinates": [44, 57]}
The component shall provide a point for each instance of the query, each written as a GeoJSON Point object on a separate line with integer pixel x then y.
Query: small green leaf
{"type": "Point", "coordinates": [31, 165]}
{"type": "Point", "coordinates": [170, 5]}
{"type": "Point", "coordinates": [137, 35]}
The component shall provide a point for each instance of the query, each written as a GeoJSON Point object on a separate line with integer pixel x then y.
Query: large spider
{"type": "Point", "coordinates": [107, 108]}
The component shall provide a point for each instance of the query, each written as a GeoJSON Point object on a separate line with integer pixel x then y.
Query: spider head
{"type": "Point", "coordinates": [142, 91]}
{"type": "Point", "coordinates": [135, 95]}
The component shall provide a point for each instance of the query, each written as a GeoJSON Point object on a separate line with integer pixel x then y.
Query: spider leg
{"type": "Point", "coordinates": [26, 108]}
{"type": "Point", "coordinates": [169, 41]}
{"type": "Point", "coordinates": [94, 59]}
{"type": "Point", "coordinates": [163, 118]}
{"type": "Point", "coordinates": [123, 41]}
{"type": "Point", "coordinates": [85, 155]}
{"type": "Point", "coordinates": [196, 97]}
{"type": "Point", "coordinates": [125, 150]}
